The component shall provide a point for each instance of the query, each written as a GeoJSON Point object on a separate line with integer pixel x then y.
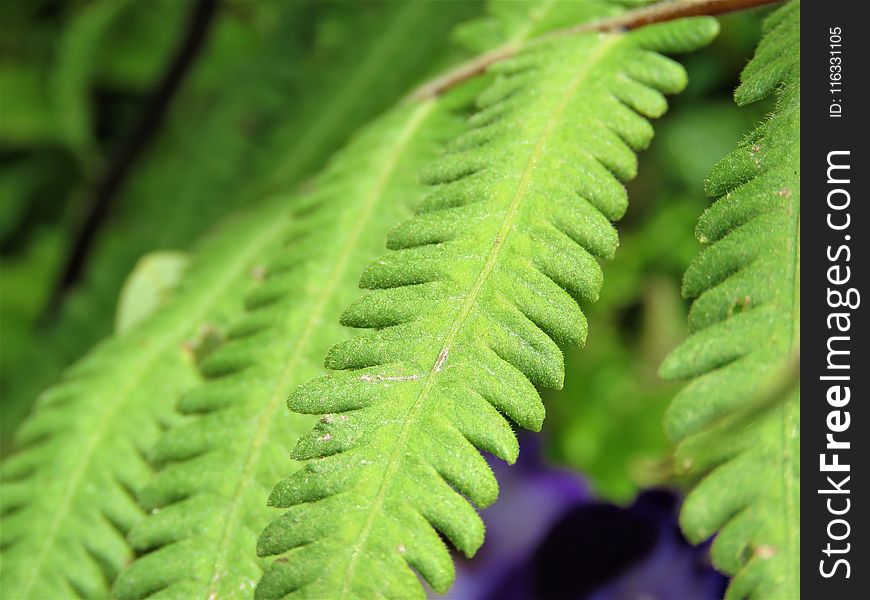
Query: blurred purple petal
{"type": "Point", "coordinates": [548, 538]}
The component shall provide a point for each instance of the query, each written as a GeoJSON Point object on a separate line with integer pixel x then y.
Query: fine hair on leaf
{"type": "Point", "coordinates": [738, 421]}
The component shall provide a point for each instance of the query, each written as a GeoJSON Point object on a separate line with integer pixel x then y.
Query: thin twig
{"type": "Point", "coordinates": [657, 13]}
{"type": "Point", "coordinates": [665, 11]}
{"type": "Point", "coordinates": [465, 71]}
{"type": "Point", "coordinates": [112, 182]}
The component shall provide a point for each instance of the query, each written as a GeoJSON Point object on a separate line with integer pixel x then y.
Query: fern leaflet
{"type": "Point", "coordinates": [467, 310]}
{"type": "Point", "coordinates": [740, 416]}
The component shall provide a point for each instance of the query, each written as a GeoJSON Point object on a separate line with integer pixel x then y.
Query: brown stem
{"type": "Point", "coordinates": [463, 72]}
{"type": "Point", "coordinates": [665, 11]}
{"type": "Point", "coordinates": [657, 13]}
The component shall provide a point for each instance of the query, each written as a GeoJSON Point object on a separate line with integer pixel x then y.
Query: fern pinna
{"type": "Point", "coordinates": [466, 312]}
{"type": "Point", "coordinates": [208, 501]}
{"type": "Point", "coordinates": [68, 494]}
{"type": "Point", "coordinates": [739, 419]}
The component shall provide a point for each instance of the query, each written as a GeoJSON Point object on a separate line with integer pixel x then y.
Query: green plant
{"type": "Point", "coordinates": [146, 471]}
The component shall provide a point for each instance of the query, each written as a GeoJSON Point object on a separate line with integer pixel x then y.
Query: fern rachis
{"type": "Point", "coordinates": [498, 255]}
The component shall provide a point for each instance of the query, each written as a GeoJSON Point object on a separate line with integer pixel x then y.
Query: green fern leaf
{"type": "Point", "coordinates": [208, 501]}
{"type": "Point", "coordinates": [739, 418]}
{"type": "Point", "coordinates": [467, 310]}
{"type": "Point", "coordinates": [69, 492]}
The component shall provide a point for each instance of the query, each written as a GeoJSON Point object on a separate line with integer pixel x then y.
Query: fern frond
{"type": "Point", "coordinates": [68, 494]}
{"type": "Point", "coordinates": [739, 418]}
{"type": "Point", "coordinates": [467, 310]}
{"type": "Point", "coordinates": [208, 501]}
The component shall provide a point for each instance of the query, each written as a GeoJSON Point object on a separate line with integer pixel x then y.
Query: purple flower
{"type": "Point", "coordinates": [548, 538]}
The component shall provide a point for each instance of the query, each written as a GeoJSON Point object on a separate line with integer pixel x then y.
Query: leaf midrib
{"type": "Point", "coordinates": [607, 41]}
{"type": "Point", "coordinates": [157, 350]}
{"type": "Point", "coordinates": [388, 169]}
